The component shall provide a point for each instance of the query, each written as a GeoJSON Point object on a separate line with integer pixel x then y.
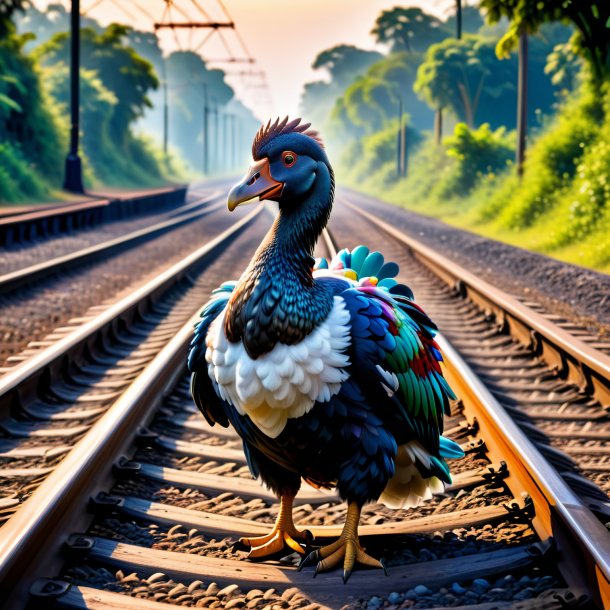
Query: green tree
{"type": "Point", "coordinates": [343, 64]}
{"type": "Point", "coordinates": [456, 73]}
{"type": "Point", "coordinates": [472, 21]}
{"type": "Point", "coordinates": [372, 100]}
{"type": "Point", "coordinates": [122, 71]}
{"type": "Point", "coordinates": [591, 18]}
{"type": "Point", "coordinates": [408, 29]}
{"type": "Point", "coordinates": [563, 66]}
{"type": "Point", "coordinates": [187, 74]}
{"type": "Point", "coordinates": [7, 9]}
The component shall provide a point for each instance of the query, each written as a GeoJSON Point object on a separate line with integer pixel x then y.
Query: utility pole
{"type": "Point", "coordinates": [401, 149]}
{"type": "Point", "coordinates": [521, 103]}
{"type": "Point", "coordinates": [227, 142]}
{"type": "Point", "coordinates": [236, 137]}
{"type": "Point", "coordinates": [458, 19]}
{"type": "Point", "coordinates": [73, 180]}
{"type": "Point", "coordinates": [165, 111]}
{"type": "Point", "coordinates": [204, 129]}
{"type": "Point", "coordinates": [216, 137]}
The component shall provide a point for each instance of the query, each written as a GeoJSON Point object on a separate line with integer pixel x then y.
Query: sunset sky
{"type": "Point", "coordinates": [283, 36]}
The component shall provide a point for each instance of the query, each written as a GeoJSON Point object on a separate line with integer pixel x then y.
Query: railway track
{"type": "Point", "coordinates": [141, 508]}
{"type": "Point", "coordinates": [41, 223]}
{"type": "Point", "coordinates": [198, 208]}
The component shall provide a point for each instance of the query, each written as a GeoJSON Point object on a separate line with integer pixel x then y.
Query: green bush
{"type": "Point", "coordinates": [551, 163]}
{"type": "Point", "coordinates": [29, 119]}
{"type": "Point", "coordinates": [18, 180]}
{"type": "Point", "coordinates": [478, 152]}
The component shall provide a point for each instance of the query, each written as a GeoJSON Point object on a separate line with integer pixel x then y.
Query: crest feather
{"type": "Point", "coordinates": [279, 128]}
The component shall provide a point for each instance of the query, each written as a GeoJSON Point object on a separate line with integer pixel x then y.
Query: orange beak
{"type": "Point", "coordinates": [257, 183]}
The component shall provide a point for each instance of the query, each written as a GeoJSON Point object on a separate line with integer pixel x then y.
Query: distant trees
{"type": "Point", "coordinates": [127, 75]}
{"type": "Point", "coordinates": [343, 64]}
{"type": "Point", "coordinates": [30, 134]}
{"type": "Point", "coordinates": [408, 29]}
{"type": "Point", "coordinates": [591, 18]}
{"type": "Point", "coordinates": [466, 77]}
{"type": "Point", "coordinates": [187, 74]}
{"type": "Point", "coordinates": [456, 73]}
{"type": "Point", "coordinates": [372, 100]}
{"type": "Point", "coordinates": [7, 8]}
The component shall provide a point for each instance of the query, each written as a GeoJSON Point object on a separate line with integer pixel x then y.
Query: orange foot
{"type": "Point", "coordinates": [347, 550]}
{"type": "Point", "coordinates": [284, 535]}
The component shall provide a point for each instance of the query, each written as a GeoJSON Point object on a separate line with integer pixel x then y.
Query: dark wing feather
{"type": "Point", "coordinates": [203, 392]}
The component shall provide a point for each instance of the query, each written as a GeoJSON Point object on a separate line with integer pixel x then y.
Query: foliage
{"type": "Point", "coordinates": [372, 100]}
{"type": "Point", "coordinates": [408, 29]}
{"type": "Point", "coordinates": [373, 157]}
{"type": "Point", "coordinates": [551, 164]}
{"type": "Point", "coordinates": [478, 152]}
{"type": "Point", "coordinates": [591, 18]}
{"type": "Point", "coordinates": [43, 25]}
{"type": "Point", "coordinates": [343, 64]}
{"type": "Point", "coordinates": [122, 71]}
{"type": "Point", "coordinates": [466, 77]}
{"type": "Point", "coordinates": [456, 73]}
{"type": "Point", "coordinates": [7, 9]}
{"type": "Point", "coordinates": [472, 21]}
{"type": "Point", "coordinates": [563, 66]}
{"type": "Point", "coordinates": [27, 116]}
{"type": "Point", "coordinates": [18, 179]}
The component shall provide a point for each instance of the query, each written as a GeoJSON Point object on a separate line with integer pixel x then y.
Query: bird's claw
{"type": "Point", "coordinates": [275, 542]}
{"type": "Point", "coordinates": [345, 550]}
{"type": "Point", "coordinates": [309, 560]}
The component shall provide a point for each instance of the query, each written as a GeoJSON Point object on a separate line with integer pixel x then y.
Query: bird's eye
{"type": "Point", "coordinates": [289, 158]}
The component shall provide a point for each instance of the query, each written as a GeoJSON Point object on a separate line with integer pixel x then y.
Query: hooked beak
{"type": "Point", "coordinates": [257, 183]}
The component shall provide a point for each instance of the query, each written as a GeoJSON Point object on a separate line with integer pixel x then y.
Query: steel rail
{"type": "Point", "coordinates": [14, 279]}
{"type": "Point", "coordinates": [584, 543]}
{"type": "Point", "coordinates": [559, 511]}
{"type": "Point", "coordinates": [569, 355]}
{"type": "Point", "coordinates": [32, 222]}
{"type": "Point", "coordinates": [21, 377]}
{"type": "Point", "coordinates": [49, 513]}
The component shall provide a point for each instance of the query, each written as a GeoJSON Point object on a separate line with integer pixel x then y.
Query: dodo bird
{"type": "Point", "coordinates": [328, 372]}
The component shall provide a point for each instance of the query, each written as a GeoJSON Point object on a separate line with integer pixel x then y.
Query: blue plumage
{"type": "Point", "coordinates": [345, 405]}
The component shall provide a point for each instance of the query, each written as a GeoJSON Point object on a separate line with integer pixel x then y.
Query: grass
{"type": "Point", "coordinates": [561, 205]}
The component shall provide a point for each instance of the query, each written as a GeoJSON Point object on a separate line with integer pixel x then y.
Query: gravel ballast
{"type": "Point", "coordinates": [580, 294]}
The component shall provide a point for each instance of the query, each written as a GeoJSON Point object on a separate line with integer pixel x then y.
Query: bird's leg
{"type": "Point", "coordinates": [346, 549]}
{"type": "Point", "coordinates": [284, 534]}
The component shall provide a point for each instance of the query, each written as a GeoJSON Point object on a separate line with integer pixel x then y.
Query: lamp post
{"type": "Point", "coordinates": [73, 180]}
{"type": "Point", "coordinates": [521, 103]}
{"type": "Point", "coordinates": [205, 132]}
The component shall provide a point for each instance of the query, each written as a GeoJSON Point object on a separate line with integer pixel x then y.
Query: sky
{"type": "Point", "coordinates": [284, 37]}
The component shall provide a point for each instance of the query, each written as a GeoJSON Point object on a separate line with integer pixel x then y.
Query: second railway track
{"type": "Point", "coordinates": [169, 494]}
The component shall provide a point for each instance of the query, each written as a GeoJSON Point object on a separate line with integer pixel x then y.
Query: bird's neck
{"type": "Point", "coordinates": [278, 284]}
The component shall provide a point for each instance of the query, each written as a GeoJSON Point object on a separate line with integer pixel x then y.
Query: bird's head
{"type": "Point", "coordinates": [289, 159]}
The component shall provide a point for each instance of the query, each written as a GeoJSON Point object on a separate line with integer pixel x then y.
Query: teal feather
{"type": "Point", "coordinates": [431, 400]}
{"type": "Point", "coordinates": [414, 385]}
{"type": "Point", "coordinates": [442, 466]}
{"type": "Point", "coordinates": [371, 265]}
{"type": "Point", "coordinates": [425, 402]}
{"type": "Point", "coordinates": [447, 387]}
{"type": "Point", "coordinates": [449, 449]}
{"type": "Point", "coordinates": [359, 254]}
{"type": "Point", "coordinates": [388, 270]}
{"type": "Point", "coordinates": [387, 282]}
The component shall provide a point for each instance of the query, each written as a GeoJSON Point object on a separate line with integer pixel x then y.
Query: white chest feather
{"type": "Point", "coordinates": [285, 382]}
